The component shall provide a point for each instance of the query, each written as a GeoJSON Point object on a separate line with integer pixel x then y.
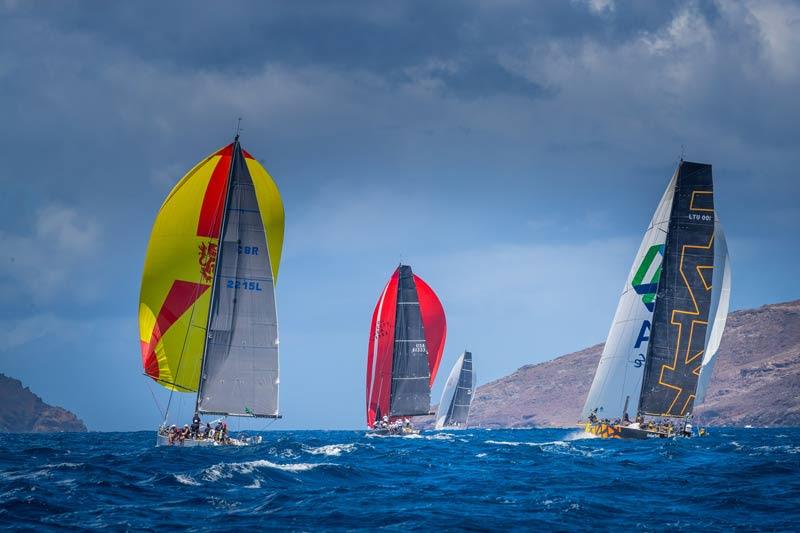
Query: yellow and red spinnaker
{"type": "Point", "coordinates": [180, 265]}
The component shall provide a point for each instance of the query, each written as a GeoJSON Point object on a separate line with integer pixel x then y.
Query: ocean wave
{"type": "Point", "coordinates": [331, 450]}
{"type": "Point", "coordinates": [227, 470]}
{"type": "Point", "coordinates": [440, 436]}
{"type": "Point", "coordinates": [185, 480]}
{"type": "Point", "coordinates": [519, 443]}
{"type": "Point", "coordinates": [329, 480]}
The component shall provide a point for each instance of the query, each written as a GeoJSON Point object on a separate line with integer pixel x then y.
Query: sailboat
{"type": "Point", "coordinates": [406, 342]}
{"type": "Point", "coordinates": [207, 316]}
{"type": "Point", "coordinates": [453, 411]}
{"type": "Point", "coordinates": [660, 351]}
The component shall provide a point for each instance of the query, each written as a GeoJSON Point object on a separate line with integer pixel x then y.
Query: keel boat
{"type": "Point", "coordinates": [406, 342]}
{"type": "Point", "coordinates": [207, 315]}
{"type": "Point", "coordinates": [660, 351]}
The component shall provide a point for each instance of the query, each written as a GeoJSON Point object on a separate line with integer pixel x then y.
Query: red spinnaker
{"type": "Point", "coordinates": [434, 322]}
{"type": "Point", "coordinates": [381, 342]}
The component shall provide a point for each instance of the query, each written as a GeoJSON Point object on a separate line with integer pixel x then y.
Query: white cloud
{"type": "Point", "coordinates": [601, 6]}
{"type": "Point", "coordinates": [779, 25]}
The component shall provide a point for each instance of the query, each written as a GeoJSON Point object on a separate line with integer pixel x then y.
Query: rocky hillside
{"type": "Point", "coordinates": [23, 411]}
{"type": "Point", "coordinates": [756, 379]}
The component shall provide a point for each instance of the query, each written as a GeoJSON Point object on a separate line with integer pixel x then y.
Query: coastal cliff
{"type": "Point", "coordinates": [22, 411]}
{"type": "Point", "coordinates": [756, 379]}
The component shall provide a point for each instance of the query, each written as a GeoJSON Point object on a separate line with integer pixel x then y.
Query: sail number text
{"type": "Point", "coordinates": [244, 284]}
{"type": "Point", "coordinates": [418, 348]}
{"type": "Point", "coordinates": [699, 217]}
{"type": "Point", "coordinates": [248, 250]}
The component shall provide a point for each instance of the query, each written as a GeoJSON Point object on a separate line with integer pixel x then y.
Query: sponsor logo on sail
{"type": "Point", "coordinates": [647, 285]}
{"type": "Point", "coordinates": [207, 259]}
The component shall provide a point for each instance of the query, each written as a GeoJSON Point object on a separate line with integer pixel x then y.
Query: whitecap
{"type": "Point", "coordinates": [480, 455]}
{"type": "Point", "coordinates": [64, 465]}
{"type": "Point", "coordinates": [579, 435]}
{"type": "Point", "coordinates": [185, 480]}
{"type": "Point", "coordinates": [440, 436]}
{"type": "Point", "coordinates": [226, 470]}
{"type": "Point", "coordinates": [332, 450]}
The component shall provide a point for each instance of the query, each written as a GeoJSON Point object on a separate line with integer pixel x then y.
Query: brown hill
{"type": "Point", "coordinates": [756, 379]}
{"type": "Point", "coordinates": [22, 411]}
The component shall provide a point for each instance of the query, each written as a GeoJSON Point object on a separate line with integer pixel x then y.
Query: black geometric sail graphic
{"type": "Point", "coordinates": [411, 393]}
{"type": "Point", "coordinates": [683, 300]}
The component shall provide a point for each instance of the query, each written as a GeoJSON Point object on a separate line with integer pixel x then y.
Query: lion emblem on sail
{"type": "Point", "coordinates": [207, 259]}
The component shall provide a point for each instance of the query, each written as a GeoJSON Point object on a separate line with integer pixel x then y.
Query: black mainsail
{"type": "Point", "coordinates": [410, 394]}
{"type": "Point", "coordinates": [683, 300]}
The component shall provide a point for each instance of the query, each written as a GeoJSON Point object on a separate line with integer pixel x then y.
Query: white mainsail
{"type": "Point", "coordinates": [618, 379]}
{"type": "Point", "coordinates": [449, 392]}
{"type": "Point", "coordinates": [720, 300]}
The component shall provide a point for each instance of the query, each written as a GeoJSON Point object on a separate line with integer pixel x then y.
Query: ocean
{"type": "Point", "coordinates": [475, 479]}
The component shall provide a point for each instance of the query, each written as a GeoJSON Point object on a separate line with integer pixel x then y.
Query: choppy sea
{"type": "Point", "coordinates": [340, 480]}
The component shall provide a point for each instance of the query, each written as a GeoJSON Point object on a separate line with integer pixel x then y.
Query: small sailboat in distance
{"type": "Point", "coordinates": [207, 316]}
{"type": "Point", "coordinates": [453, 411]}
{"type": "Point", "coordinates": [406, 342]}
{"type": "Point", "coordinates": [660, 351]}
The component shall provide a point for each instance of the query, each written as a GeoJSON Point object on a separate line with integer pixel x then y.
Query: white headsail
{"type": "Point", "coordinates": [720, 300]}
{"type": "Point", "coordinates": [618, 380]}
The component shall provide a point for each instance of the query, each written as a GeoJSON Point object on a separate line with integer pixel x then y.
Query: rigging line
{"type": "Point", "coordinates": [155, 400]}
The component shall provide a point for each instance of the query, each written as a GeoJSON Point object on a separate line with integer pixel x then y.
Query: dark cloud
{"type": "Point", "coordinates": [521, 132]}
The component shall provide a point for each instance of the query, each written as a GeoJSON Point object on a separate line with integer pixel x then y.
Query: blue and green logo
{"type": "Point", "coordinates": [648, 289]}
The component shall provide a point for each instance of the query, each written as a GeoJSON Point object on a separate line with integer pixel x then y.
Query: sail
{"type": "Point", "coordinates": [435, 325]}
{"type": "Point", "coordinates": [379, 353]}
{"type": "Point", "coordinates": [407, 336]}
{"type": "Point", "coordinates": [180, 266]}
{"type": "Point", "coordinates": [411, 390]}
{"type": "Point", "coordinates": [683, 301]}
{"type": "Point", "coordinates": [618, 379]}
{"type": "Point", "coordinates": [240, 372]}
{"type": "Point", "coordinates": [457, 396]}
{"type": "Point", "coordinates": [720, 299]}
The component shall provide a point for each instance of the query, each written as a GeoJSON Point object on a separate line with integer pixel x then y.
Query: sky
{"type": "Point", "coordinates": [512, 152]}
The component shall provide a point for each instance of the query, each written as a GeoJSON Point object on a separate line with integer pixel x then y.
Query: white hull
{"type": "Point", "coordinates": [394, 431]}
{"type": "Point", "coordinates": [163, 440]}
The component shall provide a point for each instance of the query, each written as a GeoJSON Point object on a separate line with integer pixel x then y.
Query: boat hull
{"type": "Point", "coordinates": [393, 431]}
{"type": "Point", "coordinates": [617, 431]}
{"type": "Point", "coordinates": [163, 440]}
